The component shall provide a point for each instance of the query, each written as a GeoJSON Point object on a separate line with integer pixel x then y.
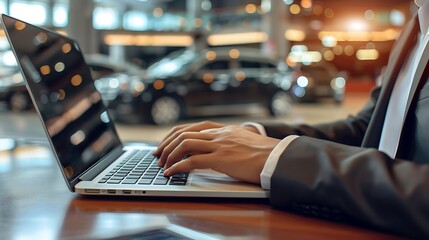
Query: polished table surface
{"type": "Point", "coordinates": [36, 204]}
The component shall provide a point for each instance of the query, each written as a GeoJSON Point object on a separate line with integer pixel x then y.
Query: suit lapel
{"type": "Point", "coordinates": [400, 52]}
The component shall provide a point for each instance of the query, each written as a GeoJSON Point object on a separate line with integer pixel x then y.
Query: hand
{"type": "Point", "coordinates": [190, 127]}
{"type": "Point", "coordinates": [232, 150]}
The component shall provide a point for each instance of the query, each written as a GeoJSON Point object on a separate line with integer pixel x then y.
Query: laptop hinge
{"type": "Point", "coordinates": [98, 167]}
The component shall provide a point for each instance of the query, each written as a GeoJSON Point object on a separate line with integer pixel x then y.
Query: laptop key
{"type": "Point", "coordinates": [113, 181]}
{"type": "Point", "coordinates": [116, 178]}
{"type": "Point", "coordinates": [148, 177]}
{"type": "Point", "coordinates": [180, 176]}
{"type": "Point", "coordinates": [145, 181]}
{"type": "Point", "coordinates": [132, 177]}
{"type": "Point", "coordinates": [160, 181]}
{"type": "Point", "coordinates": [129, 181]}
{"type": "Point", "coordinates": [181, 183]}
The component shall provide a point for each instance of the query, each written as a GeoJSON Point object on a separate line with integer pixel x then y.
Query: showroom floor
{"type": "Point", "coordinates": [26, 125]}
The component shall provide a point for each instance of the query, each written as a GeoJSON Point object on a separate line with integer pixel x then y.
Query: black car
{"type": "Point", "coordinates": [102, 65]}
{"type": "Point", "coordinates": [13, 91]}
{"type": "Point", "coordinates": [215, 81]}
{"type": "Point", "coordinates": [316, 81]}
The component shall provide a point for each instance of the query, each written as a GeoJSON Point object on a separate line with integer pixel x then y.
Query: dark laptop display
{"type": "Point", "coordinates": [76, 120]}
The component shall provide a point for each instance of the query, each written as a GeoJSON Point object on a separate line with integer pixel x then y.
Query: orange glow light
{"type": "Point", "coordinates": [211, 55]}
{"type": "Point", "coordinates": [45, 70]}
{"type": "Point", "coordinates": [66, 48]}
{"type": "Point", "coordinates": [306, 4]}
{"type": "Point", "coordinates": [208, 78]}
{"type": "Point", "coordinates": [158, 84]}
{"type": "Point", "coordinates": [295, 9]}
{"type": "Point", "coordinates": [250, 8]}
{"type": "Point", "coordinates": [234, 53]}
{"type": "Point", "coordinates": [76, 80]}
{"type": "Point", "coordinates": [20, 25]}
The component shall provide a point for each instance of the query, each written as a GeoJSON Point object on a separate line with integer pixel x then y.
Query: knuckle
{"type": "Point", "coordinates": [175, 128]}
{"type": "Point", "coordinates": [162, 157]}
{"type": "Point", "coordinates": [179, 137]}
{"type": "Point", "coordinates": [186, 143]}
{"type": "Point", "coordinates": [191, 162]}
{"type": "Point", "coordinates": [206, 122]}
{"type": "Point", "coordinates": [182, 136]}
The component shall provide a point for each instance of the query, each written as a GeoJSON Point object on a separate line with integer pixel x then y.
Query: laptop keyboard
{"type": "Point", "coordinates": [140, 167]}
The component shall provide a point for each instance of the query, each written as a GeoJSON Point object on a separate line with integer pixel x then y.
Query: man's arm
{"type": "Point", "coordinates": [349, 131]}
{"type": "Point", "coordinates": [335, 181]}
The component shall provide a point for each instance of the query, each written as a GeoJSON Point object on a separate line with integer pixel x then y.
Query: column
{"type": "Point", "coordinates": [195, 11]}
{"type": "Point", "coordinates": [275, 25]}
{"type": "Point", "coordinates": [80, 25]}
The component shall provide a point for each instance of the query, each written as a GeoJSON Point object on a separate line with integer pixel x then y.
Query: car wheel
{"type": "Point", "coordinates": [19, 101]}
{"type": "Point", "coordinates": [280, 104]}
{"type": "Point", "coordinates": [166, 110]}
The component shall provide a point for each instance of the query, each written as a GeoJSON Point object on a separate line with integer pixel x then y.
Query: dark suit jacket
{"type": "Point", "coordinates": [335, 170]}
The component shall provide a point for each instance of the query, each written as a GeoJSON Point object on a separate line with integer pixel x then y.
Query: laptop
{"type": "Point", "coordinates": [82, 135]}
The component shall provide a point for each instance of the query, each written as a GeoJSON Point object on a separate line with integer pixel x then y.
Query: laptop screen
{"type": "Point", "coordinates": [72, 111]}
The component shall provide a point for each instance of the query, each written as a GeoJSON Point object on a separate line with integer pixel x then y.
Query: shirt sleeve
{"type": "Point", "coordinates": [271, 163]}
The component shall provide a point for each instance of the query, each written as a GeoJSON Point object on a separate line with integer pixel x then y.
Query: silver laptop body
{"type": "Point", "coordinates": [81, 133]}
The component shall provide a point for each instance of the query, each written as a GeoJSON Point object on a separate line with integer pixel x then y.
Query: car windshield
{"type": "Point", "coordinates": [318, 72]}
{"type": "Point", "coordinates": [174, 64]}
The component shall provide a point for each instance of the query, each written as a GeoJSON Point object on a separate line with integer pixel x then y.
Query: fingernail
{"type": "Point", "coordinates": [166, 172]}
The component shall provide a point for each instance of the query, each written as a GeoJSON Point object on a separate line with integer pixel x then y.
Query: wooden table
{"type": "Point", "coordinates": [36, 204]}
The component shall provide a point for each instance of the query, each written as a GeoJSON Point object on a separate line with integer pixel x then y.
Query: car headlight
{"type": "Point", "coordinates": [114, 83]}
{"type": "Point", "coordinates": [137, 87]}
{"type": "Point", "coordinates": [338, 83]}
{"type": "Point", "coordinates": [302, 81]}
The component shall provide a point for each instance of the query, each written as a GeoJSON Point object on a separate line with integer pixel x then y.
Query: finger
{"type": "Point", "coordinates": [200, 161]}
{"type": "Point", "coordinates": [176, 131]}
{"type": "Point", "coordinates": [187, 149]}
{"type": "Point", "coordinates": [173, 132]}
{"type": "Point", "coordinates": [182, 137]}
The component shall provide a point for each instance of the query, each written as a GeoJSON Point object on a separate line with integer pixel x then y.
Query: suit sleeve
{"type": "Point", "coordinates": [349, 131]}
{"type": "Point", "coordinates": [340, 182]}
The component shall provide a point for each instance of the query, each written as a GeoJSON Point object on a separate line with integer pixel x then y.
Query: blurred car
{"type": "Point", "coordinates": [102, 65]}
{"type": "Point", "coordinates": [214, 81]}
{"type": "Point", "coordinates": [14, 93]}
{"type": "Point", "coordinates": [317, 81]}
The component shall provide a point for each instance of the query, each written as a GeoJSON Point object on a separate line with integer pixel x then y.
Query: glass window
{"type": "Point", "coordinates": [217, 65]}
{"type": "Point", "coordinates": [254, 64]}
{"type": "Point", "coordinates": [32, 12]}
{"type": "Point", "coordinates": [105, 18]}
{"type": "Point", "coordinates": [3, 7]}
{"type": "Point", "coordinates": [250, 64]}
{"type": "Point", "coordinates": [134, 20]}
{"type": "Point", "coordinates": [60, 15]}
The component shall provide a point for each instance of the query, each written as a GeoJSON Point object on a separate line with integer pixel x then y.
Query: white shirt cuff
{"type": "Point", "coordinates": [258, 127]}
{"type": "Point", "coordinates": [271, 163]}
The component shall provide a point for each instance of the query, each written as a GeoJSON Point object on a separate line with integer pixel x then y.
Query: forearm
{"type": "Point", "coordinates": [349, 131]}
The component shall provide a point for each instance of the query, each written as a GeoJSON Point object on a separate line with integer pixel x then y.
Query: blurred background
{"type": "Point", "coordinates": [162, 62]}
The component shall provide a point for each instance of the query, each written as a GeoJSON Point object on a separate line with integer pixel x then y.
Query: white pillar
{"type": "Point", "coordinates": [80, 25]}
{"type": "Point", "coordinates": [275, 25]}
